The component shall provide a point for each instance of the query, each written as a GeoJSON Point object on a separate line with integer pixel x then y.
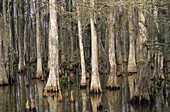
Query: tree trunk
{"type": "Point", "coordinates": [118, 38]}
{"type": "Point", "coordinates": [112, 81]}
{"type": "Point", "coordinates": [39, 61]}
{"type": "Point", "coordinates": [142, 85]}
{"type": "Point", "coordinates": [21, 35]}
{"type": "Point", "coordinates": [53, 80]}
{"type": "Point", "coordinates": [71, 34]}
{"type": "Point", "coordinates": [83, 69]}
{"type": "Point", "coordinates": [5, 35]}
{"type": "Point", "coordinates": [16, 31]}
{"type": "Point", "coordinates": [11, 77]}
{"type": "Point", "coordinates": [125, 36]}
{"type": "Point", "coordinates": [95, 81]}
{"type": "Point", "coordinates": [131, 59]}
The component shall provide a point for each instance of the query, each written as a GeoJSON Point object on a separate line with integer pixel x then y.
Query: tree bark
{"type": "Point", "coordinates": [53, 80]}
{"type": "Point", "coordinates": [83, 69]}
{"type": "Point", "coordinates": [39, 60]}
{"type": "Point", "coordinates": [142, 85]}
{"type": "Point", "coordinates": [112, 81]}
{"type": "Point", "coordinates": [95, 81]}
{"type": "Point", "coordinates": [21, 35]}
{"type": "Point", "coordinates": [5, 35]}
{"type": "Point", "coordinates": [131, 59]}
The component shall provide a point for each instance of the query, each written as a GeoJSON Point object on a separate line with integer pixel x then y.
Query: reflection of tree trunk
{"type": "Point", "coordinates": [83, 94]}
{"type": "Point", "coordinates": [40, 87]}
{"type": "Point", "coordinates": [127, 93]}
{"type": "Point", "coordinates": [53, 104]}
{"type": "Point", "coordinates": [3, 98]}
{"type": "Point", "coordinates": [130, 81]}
{"type": "Point", "coordinates": [112, 98]}
{"type": "Point", "coordinates": [95, 100]}
{"type": "Point", "coordinates": [22, 92]}
{"type": "Point", "coordinates": [160, 98]}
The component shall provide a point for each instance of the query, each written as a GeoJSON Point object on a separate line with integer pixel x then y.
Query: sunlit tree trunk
{"type": "Point", "coordinates": [53, 79]}
{"type": "Point", "coordinates": [83, 70]}
{"type": "Point", "coordinates": [95, 81]}
{"type": "Point", "coordinates": [112, 80]}
{"type": "Point", "coordinates": [131, 59]}
{"type": "Point", "coordinates": [39, 61]}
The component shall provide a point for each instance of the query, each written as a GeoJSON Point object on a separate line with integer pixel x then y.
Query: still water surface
{"type": "Point", "coordinates": [13, 98]}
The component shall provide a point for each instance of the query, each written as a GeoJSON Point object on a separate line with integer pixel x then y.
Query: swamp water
{"type": "Point", "coordinates": [13, 98]}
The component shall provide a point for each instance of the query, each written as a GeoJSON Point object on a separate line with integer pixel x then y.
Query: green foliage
{"type": "Point", "coordinates": [63, 80]}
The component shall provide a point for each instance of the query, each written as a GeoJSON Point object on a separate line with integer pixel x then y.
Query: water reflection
{"type": "Point", "coordinates": [13, 98]}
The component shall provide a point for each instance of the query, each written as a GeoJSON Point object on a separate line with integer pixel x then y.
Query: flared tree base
{"type": "Point", "coordinates": [38, 75]}
{"type": "Point", "coordinates": [132, 70]}
{"type": "Point", "coordinates": [95, 90]}
{"type": "Point", "coordinates": [4, 81]}
{"type": "Point", "coordinates": [83, 85]}
{"type": "Point", "coordinates": [141, 94]}
{"type": "Point", "coordinates": [22, 70]}
{"type": "Point", "coordinates": [112, 83]}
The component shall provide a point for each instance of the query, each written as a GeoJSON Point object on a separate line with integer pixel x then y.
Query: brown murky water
{"type": "Point", "coordinates": [13, 98]}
